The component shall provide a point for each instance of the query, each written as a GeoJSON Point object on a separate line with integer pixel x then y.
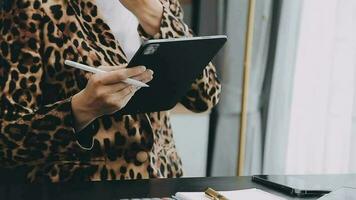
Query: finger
{"type": "Point", "coordinates": [127, 98]}
{"type": "Point", "coordinates": [121, 101]}
{"type": "Point", "coordinates": [118, 75]}
{"type": "Point", "coordinates": [88, 75]}
{"type": "Point", "coordinates": [147, 75]}
{"type": "Point", "coordinates": [112, 68]}
{"type": "Point", "coordinates": [124, 93]}
{"type": "Point", "coordinates": [147, 80]}
{"type": "Point", "coordinates": [111, 89]}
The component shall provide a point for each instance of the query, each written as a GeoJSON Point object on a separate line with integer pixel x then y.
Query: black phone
{"type": "Point", "coordinates": [299, 186]}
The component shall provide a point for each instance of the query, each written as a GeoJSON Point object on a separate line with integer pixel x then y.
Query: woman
{"type": "Point", "coordinates": [58, 123]}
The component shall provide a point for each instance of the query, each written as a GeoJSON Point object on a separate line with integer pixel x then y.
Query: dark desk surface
{"type": "Point", "coordinates": [124, 189]}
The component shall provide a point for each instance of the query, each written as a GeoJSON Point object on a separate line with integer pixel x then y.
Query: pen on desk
{"type": "Point", "coordinates": [95, 71]}
{"type": "Point", "coordinates": [214, 195]}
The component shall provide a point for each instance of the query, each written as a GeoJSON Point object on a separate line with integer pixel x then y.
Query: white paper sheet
{"type": "Point", "coordinates": [250, 194]}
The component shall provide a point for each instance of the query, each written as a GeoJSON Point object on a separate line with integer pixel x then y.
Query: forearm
{"type": "Point", "coordinates": [149, 16]}
{"type": "Point", "coordinates": [171, 23]}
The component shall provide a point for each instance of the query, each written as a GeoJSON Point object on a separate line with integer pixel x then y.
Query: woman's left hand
{"type": "Point", "coordinates": [148, 12]}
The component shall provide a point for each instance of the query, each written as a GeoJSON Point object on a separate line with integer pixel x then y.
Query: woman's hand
{"type": "Point", "coordinates": [148, 12]}
{"type": "Point", "coordinates": [105, 93]}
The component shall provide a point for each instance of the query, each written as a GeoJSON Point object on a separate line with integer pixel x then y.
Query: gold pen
{"type": "Point", "coordinates": [214, 195]}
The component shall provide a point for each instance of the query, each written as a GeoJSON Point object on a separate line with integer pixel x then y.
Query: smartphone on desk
{"type": "Point", "coordinates": [306, 185]}
{"type": "Point", "coordinates": [298, 186]}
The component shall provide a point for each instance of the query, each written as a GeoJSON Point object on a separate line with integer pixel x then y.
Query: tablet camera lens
{"type": "Point", "coordinates": [151, 49]}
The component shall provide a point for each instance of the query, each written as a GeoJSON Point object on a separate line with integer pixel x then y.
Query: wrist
{"type": "Point", "coordinates": [82, 113]}
{"type": "Point", "coordinates": [150, 16]}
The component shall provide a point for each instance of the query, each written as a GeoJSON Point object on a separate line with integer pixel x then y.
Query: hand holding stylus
{"type": "Point", "coordinates": [106, 93]}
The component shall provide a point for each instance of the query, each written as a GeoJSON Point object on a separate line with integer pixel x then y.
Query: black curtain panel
{"type": "Point", "coordinates": [207, 21]}
{"type": "Point", "coordinates": [267, 83]}
{"type": "Point", "coordinates": [196, 15]}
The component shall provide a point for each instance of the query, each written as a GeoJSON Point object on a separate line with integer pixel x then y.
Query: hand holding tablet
{"type": "Point", "coordinates": [176, 62]}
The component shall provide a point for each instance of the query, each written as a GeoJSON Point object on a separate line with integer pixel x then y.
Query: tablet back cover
{"type": "Point", "coordinates": [176, 64]}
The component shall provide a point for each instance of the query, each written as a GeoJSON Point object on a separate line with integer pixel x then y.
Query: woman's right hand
{"type": "Point", "coordinates": [106, 94]}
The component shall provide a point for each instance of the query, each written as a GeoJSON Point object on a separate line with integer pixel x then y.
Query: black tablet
{"type": "Point", "coordinates": [176, 64]}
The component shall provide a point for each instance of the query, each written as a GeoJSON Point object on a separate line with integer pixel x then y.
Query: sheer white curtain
{"type": "Point", "coordinates": [320, 134]}
{"type": "Point", "coordinates": [281, 94]}
{"type": "Point", "coordinates": [324, 93]}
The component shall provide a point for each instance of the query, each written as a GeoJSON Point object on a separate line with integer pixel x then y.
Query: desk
{"type": "Point", "coordinates": [114, 190]}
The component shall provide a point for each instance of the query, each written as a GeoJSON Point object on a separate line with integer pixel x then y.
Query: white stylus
{"type": "Point", "coordinates": [95, 71]}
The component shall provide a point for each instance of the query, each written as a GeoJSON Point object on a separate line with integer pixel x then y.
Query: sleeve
{"type": "Point", "coordinates": [205, 91]}
{"type": "Point", "coordinates": [29, 131]}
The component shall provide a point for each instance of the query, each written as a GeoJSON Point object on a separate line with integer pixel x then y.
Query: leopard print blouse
{"type": "Point", "coordinates": [37, 138]}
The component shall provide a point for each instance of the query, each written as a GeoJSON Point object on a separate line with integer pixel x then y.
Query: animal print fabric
{"type": "Point", "coordinates": [37, 138]}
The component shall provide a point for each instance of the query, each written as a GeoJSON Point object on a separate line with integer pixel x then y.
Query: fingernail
{"type": "Point", "coordinates": [143, 68]}
{"type": "Point", "coordinates": [152, 72]}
